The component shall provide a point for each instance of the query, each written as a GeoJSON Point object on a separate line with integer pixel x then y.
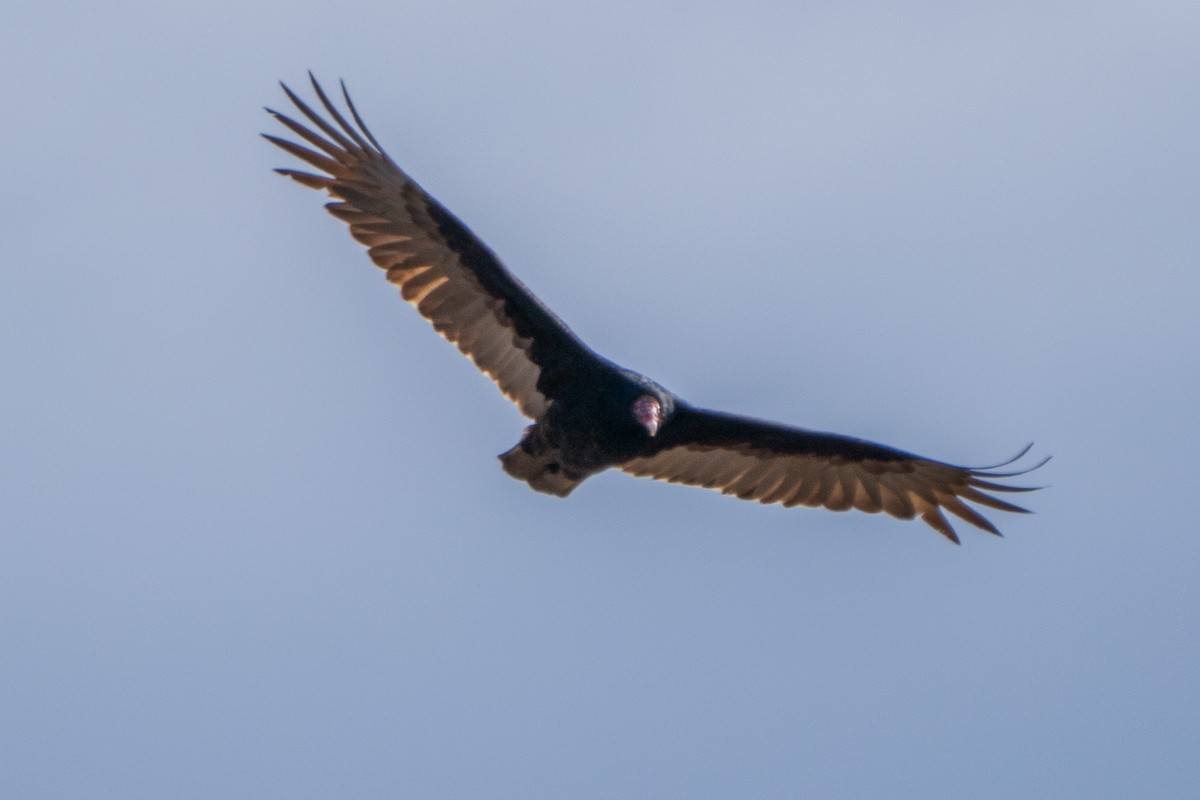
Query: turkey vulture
{"type": "Point", "coordinates": [588, 413]}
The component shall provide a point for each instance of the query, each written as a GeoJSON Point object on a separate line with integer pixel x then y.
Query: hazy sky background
{"type": "Point", "coordinates": [255, 542]}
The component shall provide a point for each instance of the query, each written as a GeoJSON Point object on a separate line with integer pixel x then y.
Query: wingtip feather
{"type": "Point", "coordinates": [934, 519]}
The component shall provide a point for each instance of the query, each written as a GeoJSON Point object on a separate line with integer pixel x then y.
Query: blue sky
{"type": "Point", "coordinates": [255, 542]}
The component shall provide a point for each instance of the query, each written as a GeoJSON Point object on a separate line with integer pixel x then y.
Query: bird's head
{"type": "Point", "coordinates": [638, 406]}
{"type": "Point", "coordinates": [649, 413]}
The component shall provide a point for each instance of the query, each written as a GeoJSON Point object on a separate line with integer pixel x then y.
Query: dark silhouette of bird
{"type": "Point", "coordinates": [588, 413]}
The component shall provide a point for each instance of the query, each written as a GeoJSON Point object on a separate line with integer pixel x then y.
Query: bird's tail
{"type": "Point", "coordinates": [537, 463]}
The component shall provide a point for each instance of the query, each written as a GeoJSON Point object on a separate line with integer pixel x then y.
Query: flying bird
{"type": "Point", "coordinates": [588, 413]}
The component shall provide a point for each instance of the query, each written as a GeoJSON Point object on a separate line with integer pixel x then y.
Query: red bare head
{"type": "Point", "coordinates": [648, 412]}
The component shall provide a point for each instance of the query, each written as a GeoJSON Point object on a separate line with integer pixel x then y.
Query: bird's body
{"type": "Point", "coordinates": [588, 429]}
{"type": "Point", "coordinates": [588, 413]}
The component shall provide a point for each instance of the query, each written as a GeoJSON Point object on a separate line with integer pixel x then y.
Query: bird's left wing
{"type": "Point", "coordinates": [772, 463]}
{"type": "Point", "coordinates": [442, 268]}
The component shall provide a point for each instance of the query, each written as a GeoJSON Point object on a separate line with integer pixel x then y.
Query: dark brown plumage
{"type": "Point", "coordinates": [590, 414]}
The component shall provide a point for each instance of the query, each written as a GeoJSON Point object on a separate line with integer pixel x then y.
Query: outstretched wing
{"type": "Point", "coordinates": [451, 277]}
{"type": "Point", "coordinates": [772, 463]}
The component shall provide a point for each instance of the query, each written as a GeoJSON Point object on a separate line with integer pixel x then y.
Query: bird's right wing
{"type": "Point", "coordinates": [773, 463]}
{"type": "Point", "coordinates": [451, 277]}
